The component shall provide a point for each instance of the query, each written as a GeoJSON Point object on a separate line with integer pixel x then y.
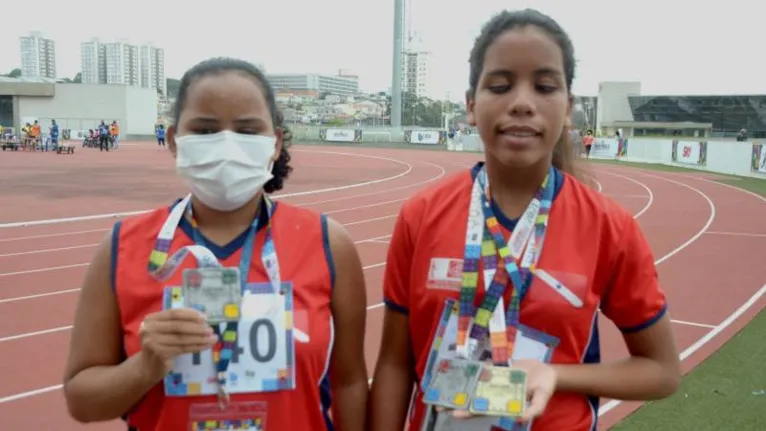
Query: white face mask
{"type": "Point", "coordinates": [226, 169]}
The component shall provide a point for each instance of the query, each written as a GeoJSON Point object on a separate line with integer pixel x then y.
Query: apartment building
{"type": "Point", "coordinates": [415, 73]}
{"type": "Point", "coordinates": [152, 68]}
{"type": "Point", "coordinates": [38, 56]}
{"type": "Point", "coordinates": [123, 63]}
{"type": "Point", "coordinates": [93, 62]}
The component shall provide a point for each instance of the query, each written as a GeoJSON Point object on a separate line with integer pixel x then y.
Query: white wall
{"type": "Point", "coordinates": [76, 106]}
{"type": "Point", "coordinates": [141, 111]}
{"type": "Point", "coordinates": [83, 106]}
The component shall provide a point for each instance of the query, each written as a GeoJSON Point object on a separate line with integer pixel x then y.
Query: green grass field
{"type": "Point", "coordinates": [727, 392]}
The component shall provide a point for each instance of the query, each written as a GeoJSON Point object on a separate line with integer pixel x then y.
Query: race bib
{"type": "Point", "coordinates": [265, 359]}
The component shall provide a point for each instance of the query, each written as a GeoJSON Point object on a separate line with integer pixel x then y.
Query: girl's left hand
{"type": "Point", "coordinates": [541, 383]}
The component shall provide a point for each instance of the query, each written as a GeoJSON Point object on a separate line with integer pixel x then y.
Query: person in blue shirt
{"type": "Point", "coordinates": [54, 135]}
{"type": "Point", "coordinates": [160, 132]}
{"type": "Point", "coordinates": [103, 136]}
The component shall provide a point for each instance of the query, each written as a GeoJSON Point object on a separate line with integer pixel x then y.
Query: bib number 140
{"type": "Point", "coordinates": [265, 357]}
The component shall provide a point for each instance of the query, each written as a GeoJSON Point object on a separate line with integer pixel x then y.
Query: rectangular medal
{"type": "Point", "coordinates": [444, 421]}
{"type": "Point", "coordinates": [499, 391]}
{"type": "Point", "coordinates": [216, 292]}
{"type": "Point", "coordinates": [452, 383]}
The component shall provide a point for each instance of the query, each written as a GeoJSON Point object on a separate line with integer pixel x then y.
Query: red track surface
{"type": "Point", "coordinates": [707, 237]}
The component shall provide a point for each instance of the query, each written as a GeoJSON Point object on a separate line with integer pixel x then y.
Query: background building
{"type": "Point", "coordinates": [415, 79]}
{"type": "Point", "coordinates": [123, 63]}
{"type": "Point", "coordinates": [78, 106]}
{"type": "Point", "coordinates": [93, 62]}
{"type": "Point", "coordinates": [315, 84]}
{"type": "Point", "coordinates": [622, 106]}
{"type": "Point", "coordinates": [152, 68]}
{"type": "Point", "coordinates": [38, 56]}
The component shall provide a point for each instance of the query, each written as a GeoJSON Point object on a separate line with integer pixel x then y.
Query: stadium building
{"type": "Point", "coordinates": [77, 107]}
{"type": "Point", "coordinates": [314, 85]}
{"type": "Point", "coordinates": [621, 106]}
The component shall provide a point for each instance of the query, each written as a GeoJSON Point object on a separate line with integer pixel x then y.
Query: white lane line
{"type": "Point", "coordinates": [753, 235]}
{"type": "Point", "coordinates": [308, 192]}
{"type": "Point", "coordinates": [48, 250]}
{"type": "Point", "coordinates": [376, 239]}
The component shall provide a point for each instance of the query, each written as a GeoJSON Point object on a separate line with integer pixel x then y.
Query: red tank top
{"type": "Point", "coordinates": [301, 241]}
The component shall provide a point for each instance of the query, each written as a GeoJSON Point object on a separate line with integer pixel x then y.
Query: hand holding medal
{"type": "Point", "coordinates": [169, 333]}
{"type": "Point", "coordinates": [520, 392]}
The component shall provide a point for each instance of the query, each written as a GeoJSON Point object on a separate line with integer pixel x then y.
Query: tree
{"type": "Point", "coordinates": [421, 111]}
{"type": "Point", "coordinates": [15, 73]}
{"type": "Point", "coordinates": [172, 87]}
{"type": "Point", "coordinates": [76, 80]}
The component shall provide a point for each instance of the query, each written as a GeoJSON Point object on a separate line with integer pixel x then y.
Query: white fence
{"type": "Point", "coordinates": [726, 157]}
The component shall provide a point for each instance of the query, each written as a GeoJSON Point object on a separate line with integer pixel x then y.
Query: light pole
{"type": "Point", "coordinates": [396, 79]}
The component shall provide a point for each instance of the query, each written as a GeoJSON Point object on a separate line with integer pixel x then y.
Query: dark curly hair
{"type": "Point", "coordinates": [281, 170]}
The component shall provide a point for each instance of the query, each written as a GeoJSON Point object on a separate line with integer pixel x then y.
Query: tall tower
{"type": "Point", "coordinates": [396, 78]}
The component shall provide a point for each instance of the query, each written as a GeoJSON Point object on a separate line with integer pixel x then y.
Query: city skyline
{"type": "Point", "coordinates": [654, 42]}
{"type": "Point", "coordinates": [119, 61]}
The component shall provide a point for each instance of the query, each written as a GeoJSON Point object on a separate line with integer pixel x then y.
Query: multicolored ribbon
{"type": "Point", "coordinates": [162, 267]}
{"type": "Point", "coordinates": [520, 277]}
{"type": "Point", "coordinates": [473, 325]}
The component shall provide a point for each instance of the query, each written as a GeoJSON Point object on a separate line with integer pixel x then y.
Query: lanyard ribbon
{"type": "Point", "coordinates": [162, 267]}
{"type": "Point", "coordinates": [484, 242]}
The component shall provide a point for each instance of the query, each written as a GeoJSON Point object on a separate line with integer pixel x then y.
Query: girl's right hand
{"type": "Point", "coordinates": [169, 333]}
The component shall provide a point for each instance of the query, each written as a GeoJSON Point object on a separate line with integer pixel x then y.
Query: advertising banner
{"type": "Point", "coordinates": [759, 158]}
{"type": "Point", "coordinates": [690, 153]}
{"type": "Point", "coordinates": [604, 148]}
{"type": "Point", "coordinates": [431, 137]}
{"type": "Point", "coordinates": [77, 135]}
{"type": "Point", "coordinates": [340, 135]}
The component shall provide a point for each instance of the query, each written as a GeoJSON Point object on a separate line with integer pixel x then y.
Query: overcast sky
{"type": "Point", "coordinates": [670, 46]}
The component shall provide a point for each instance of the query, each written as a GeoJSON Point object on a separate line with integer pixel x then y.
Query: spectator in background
{"type": "Point", "coordinates": [54, 135]}
{"type": "Point", "coordinates": [103, 136]}
{"type": "Point", "coordinates": [160, 132]}
{"type": "Point", "coordinates": [36, 134]}
{"type": "Point", "coordinates": [114, 130]}
{"type": "Point", "coordinates": [588, 142]}
{"type": "Point", "coordinates": [742, 136]}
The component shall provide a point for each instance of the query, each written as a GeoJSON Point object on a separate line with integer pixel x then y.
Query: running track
{"type": "Point", "coordinates": [707, 239]}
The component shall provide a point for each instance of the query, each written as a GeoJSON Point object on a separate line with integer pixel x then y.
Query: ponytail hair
{"type": "Point", "coordinates": [565, 160]}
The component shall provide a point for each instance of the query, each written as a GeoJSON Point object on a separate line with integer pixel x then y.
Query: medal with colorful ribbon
{"type": "Point", "coordinates": [162, 267]}
{"type": "Point", "coordinates": [484, 242]}
{"type": "Point", "coordinates": [531, 230]}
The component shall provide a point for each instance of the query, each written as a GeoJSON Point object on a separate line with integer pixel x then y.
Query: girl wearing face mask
{"type": "Point", "coordinates": [297, 347]}
{"type": "Point", "coordinates": [520, 248]}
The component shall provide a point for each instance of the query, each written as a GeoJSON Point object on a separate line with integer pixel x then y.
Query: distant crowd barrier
{"type": "Point", "coordinates": [726, 157]}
